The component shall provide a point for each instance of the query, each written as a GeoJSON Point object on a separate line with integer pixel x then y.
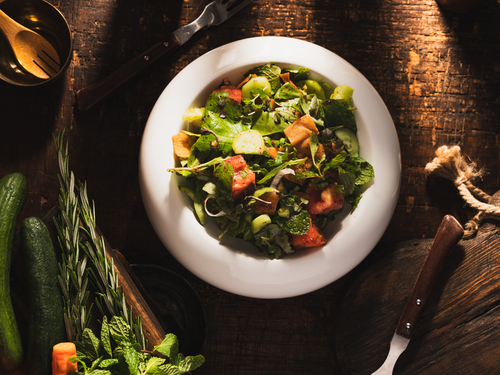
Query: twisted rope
{"type": "Point", "coordinates": [450, 164]}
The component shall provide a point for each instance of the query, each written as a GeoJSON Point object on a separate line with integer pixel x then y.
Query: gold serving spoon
{"type": "Point", "coordinates": [34, 53]}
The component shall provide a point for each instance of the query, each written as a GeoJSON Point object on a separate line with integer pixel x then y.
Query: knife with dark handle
{"type": "Point", "coordinates": [448, 235]}
{"type": "Point", "coordinates": [214, 14]}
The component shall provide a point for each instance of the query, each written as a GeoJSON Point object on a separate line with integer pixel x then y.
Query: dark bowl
{"type": "Point", "coordinates": [49, 22]}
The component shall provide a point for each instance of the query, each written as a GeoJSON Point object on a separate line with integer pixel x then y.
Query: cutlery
{"type": "Point", "coordinates": [34, 53]}
{"type": "Point", "coordinates": [448, 235]}
{"type": "Point", "coordinates": [214, 14]}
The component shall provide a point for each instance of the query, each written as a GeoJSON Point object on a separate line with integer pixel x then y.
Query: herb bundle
{"type": "Point", "coordinates": [121, 348]}
{"type": "Point", "coordinates": [84, 257]}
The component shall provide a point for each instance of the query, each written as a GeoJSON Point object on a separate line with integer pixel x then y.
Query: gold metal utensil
{"type": "Point", "coordinates": [34, 53]}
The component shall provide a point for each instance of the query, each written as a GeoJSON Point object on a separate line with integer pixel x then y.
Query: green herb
{"type": "Point", "coordinates": [73, 273]}
{"type": "Point", "coordinates": [226, 127]}
{"type": "Point", "coordinates": [117, 352]}
{"type": "Point", "coordinates": [297, 224]}
{"type": "Point", "coordinates": [271, 72]}
{"type": "Point", "coordinates": [338, 113]}
{"type": "Point", "coordinates": [84, 257]}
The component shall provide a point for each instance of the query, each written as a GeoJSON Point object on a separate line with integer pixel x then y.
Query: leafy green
{"type": "Point", "coordinates": [223, 175]}
{"type": "Point", "coordinates": [338, 113]}
{"type": "Point", "coordinates": [268, 123]}
{"type": "Point", "coordinates": [95, 356]}
{"type": "Point", "coordinates": [288, 91]}
{"type": "Point", "coordinates": [224, 122]}
{"type": "Point", "coordinates": [271, 72]}
{"type": "Point", "coordinates": [297, 74]}
{"type": "Point", "coordinates": [270, 115]}
{"type": "Point", "coordinates": [297, 224]}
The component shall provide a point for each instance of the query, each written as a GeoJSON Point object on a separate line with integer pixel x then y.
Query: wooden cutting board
{"type": "Point", "coordinates": [459, 332]}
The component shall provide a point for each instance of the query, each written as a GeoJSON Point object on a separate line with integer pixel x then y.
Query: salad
{"type": "Point", "coordinates": [272, 159]}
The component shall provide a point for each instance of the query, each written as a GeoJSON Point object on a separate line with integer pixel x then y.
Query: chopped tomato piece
{"type": "Point", "coordinates": [234, 93]}
{"type": "Point", "coordinates": [243, 176]}
{"type": "Point", "coordinates": [312, 238]}
{"type": "Point", "coordinates": [325, 200]}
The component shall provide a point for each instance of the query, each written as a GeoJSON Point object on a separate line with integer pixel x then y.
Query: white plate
{"type": "Point", "coordinates": [231, 264]}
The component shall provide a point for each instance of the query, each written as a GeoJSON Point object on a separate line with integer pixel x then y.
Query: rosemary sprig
{"type": "Point", "coordinates": [81, 245]}
{"type": "Point", "coordinates": [73, 271]}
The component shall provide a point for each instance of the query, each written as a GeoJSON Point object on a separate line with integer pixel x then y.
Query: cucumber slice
{"type": "Point", "coordinates": [342, 93]}
{"type": "Point", "coordinates": [249, 142]}
{"type": "Point", "coordinates": [248, 90]}
{"type": "Point", "coordinates": [260, 222]}
{"type": "Point", "coordinates": [349, 139]}
{"type": "Point", "coordinates": [313, 87]}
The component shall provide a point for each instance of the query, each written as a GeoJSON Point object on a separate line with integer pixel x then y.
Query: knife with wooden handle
{"type": "Point", "coordinates": [449, 233]}
{"type": "Point", "coordinates": [214, 14]}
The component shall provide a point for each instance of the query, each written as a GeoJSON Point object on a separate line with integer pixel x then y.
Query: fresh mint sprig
{"type": "Point", "coordinates": [117, 352]}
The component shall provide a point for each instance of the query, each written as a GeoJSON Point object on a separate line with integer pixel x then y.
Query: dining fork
{"type": "Point", "coordinates": [33, 52]}
{"type": "Point", "coordinates": [214, 14]}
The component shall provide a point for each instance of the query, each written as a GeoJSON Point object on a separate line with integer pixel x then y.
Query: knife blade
{"type": "Point", "coordinates": [214, 14]}
{"type": "Point", "coordinates": [448, 235]}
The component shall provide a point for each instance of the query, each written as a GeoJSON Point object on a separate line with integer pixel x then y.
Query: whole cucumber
{"type": "Point", "coordinates": [13, 193]}
{"type": "Point", "coordinates": [46, 316]}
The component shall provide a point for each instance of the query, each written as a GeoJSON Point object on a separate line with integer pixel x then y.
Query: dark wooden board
{"type": "Point", "coordinates": [462, 316]}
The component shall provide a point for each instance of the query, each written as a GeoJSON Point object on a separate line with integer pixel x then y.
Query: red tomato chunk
{"type": "Point", "coordinates": [240, 183]}
{"type": "Point", "coordinates": [312, 238]}
{"type": "Point", "coordinates": [234, 94]}
{"type": "Point", "coordinates": [321, 201]}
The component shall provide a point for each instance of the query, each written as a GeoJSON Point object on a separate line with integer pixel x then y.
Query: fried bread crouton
{"type": "Point", "coordinates": [182, 145]}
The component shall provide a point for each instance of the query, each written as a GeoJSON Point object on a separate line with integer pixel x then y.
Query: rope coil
{"type": "Point", "coordinates": [450, 164]}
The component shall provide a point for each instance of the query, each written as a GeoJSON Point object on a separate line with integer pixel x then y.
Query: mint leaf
{"type": "Point", "coordinates": [223, 175]}
{"type": "Point", "coordinates": [100, 372]}
{"type": "Point", "coordinates": [169, 346]}
{"type": "Point", "coordinates": [191, 363]}
{"type": "Point", "coordinates": [131, 357]}
{"type": "Point", "coordinates": [105, 337]}
{"type": "Point", "coordinates": [297, 224]}
{"type": "Point", "coordinates": [365, 172]}
{"type": "Point", "coordinates": [105, 363]}
{"type": "Point", "coordinates": [152, 366]}
{"type": "Point", "coordinates": [337, 113]}
{"type": "Point", "coordinates": [120, 331]}
{"type": "Point", "coordinates": [169, 369]}
{"type": "Point", "coordinates": [91, 344]}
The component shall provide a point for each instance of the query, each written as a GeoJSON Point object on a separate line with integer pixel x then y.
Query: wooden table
{"type": "Point", "coordinates": [437, 71]}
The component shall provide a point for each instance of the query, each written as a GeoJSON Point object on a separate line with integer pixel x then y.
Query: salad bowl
{"type": "Point", "coordinates": [234, 265]}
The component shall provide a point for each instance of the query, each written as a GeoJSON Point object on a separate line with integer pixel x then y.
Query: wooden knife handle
{"type": "Point", "coordinates": [449, 233]}
{"type": "Point", "coordinates": [91, 95]}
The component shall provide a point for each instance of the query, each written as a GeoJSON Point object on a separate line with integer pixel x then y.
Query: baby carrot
{"type": "Point", "coordinates": [60, 358]}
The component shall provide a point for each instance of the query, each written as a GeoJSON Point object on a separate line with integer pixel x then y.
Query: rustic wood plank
{"type": "Point", "coordinates": [460, 318]}
{"type": "Point", "coordinates": [437, 72]}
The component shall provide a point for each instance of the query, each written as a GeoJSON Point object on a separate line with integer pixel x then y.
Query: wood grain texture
{"type": "Point", "coordinates": [438, 73]}
{"type": "Point", "coordinates": [461, 317]}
